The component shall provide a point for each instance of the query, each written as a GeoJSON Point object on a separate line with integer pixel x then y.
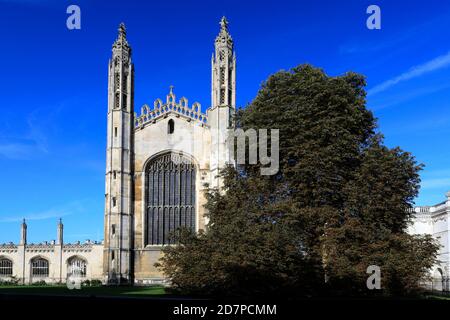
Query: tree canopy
{"type": "Point", "coordinates": [338, 204]}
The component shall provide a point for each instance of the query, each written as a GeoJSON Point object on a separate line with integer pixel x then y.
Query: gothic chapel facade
{"type": "Point", "coordinates": [158, 162]}
{"type": "Point", "coordinates": [157, 165]}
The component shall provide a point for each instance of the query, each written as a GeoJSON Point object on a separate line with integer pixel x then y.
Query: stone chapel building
{"type": "Point", "coordinates": [157, 165]}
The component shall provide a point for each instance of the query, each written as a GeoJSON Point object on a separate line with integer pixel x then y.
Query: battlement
{"type": "Point", "coordinates": [51, 244]}
{"type": "Point", "coordinates": [436, 209]}
{"type": "Point", "coordinates": [8, 245]}
{"type": "Point", "coordinates": [161, 109]}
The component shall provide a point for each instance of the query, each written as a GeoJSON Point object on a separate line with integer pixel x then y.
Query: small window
{"type": "Point", "coordinates": [115, 132]}
{"type": "Point", "coordinates": [113, 229]}
{"type": "Point", "coordinates": [170, 126]}
{"type": "Point", "coordinates": [114, 201]}
{"type": "Point", "coordinates": [114, 175]}
{"type": "Point", "coordinates": [113, 255]}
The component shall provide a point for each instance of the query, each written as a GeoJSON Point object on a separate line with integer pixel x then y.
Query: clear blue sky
{"type": "Point", "coordinates": [54, 85]}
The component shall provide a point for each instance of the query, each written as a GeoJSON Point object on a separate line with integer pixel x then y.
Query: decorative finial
{"type": "Point", "coordinates": [60, 221]}
{"type": "Point", "coordinates": [171, 89]}
{"type": "Point", "coordinates": [122, 29]}
{"type": "Point", "coordinates": [23, 221]}
{"type": "Point", "coordinates": [224, 35]}
{"type": "Point", "coordinates": [224, 23]}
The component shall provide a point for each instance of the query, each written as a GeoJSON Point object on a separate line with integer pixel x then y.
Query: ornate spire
{"type": "Point", "coordinates": [121, 40]}
{"type": "Point", "coordinates": [224, 36]}
{"type": "Point", "coordinates": [223, 69]}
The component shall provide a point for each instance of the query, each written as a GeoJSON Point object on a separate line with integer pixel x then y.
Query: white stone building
{"type": "Point", "coordinates": [52, 262]}
{"type": "Point", "coordinates": [435, 220]}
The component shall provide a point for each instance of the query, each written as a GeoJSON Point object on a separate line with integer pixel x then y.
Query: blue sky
{"type": "Point", "coordinates": [54, 85]}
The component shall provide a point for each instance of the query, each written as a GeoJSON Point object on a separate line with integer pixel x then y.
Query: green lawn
{"type": "Point", "coordinates": [438, 297]}
{"type": "Point", "coordinates": [111, 291]}
{"type": "Point", "coordinates": [84, 291]}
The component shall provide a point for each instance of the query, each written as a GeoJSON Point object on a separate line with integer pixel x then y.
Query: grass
{"type": "Point", "coordinates": [112, 291]}
{"type": "Point", "coordinates": [438, 297]}
{"type": "Point", "coordinates": [84, 291]}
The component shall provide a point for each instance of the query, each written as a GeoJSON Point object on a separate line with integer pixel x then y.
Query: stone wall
{"type": "Point", "coordinates": [434, 220]}
{"type": "Point", "coordinates": [191, 137]}
{"type": "Point", "coordinates": [58, 257]}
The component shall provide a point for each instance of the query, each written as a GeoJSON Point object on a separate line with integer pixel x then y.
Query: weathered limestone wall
{"type": "Point", "coordinates": [193, 139]}
{"type": "Point", "coordinates": [58, 257]}
{"type": "Point", "coordinates": [435, 220]}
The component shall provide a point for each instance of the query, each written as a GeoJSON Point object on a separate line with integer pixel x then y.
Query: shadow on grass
{"type": "Point", "coordinates": [84, 291]}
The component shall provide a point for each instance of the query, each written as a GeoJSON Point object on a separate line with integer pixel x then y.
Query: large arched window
{"type": "Point", "coordinates": [39, 268]}
{"type": "Point", "coordinates": [6, 267]}
{"type": "Point", "coordinates": [170, 197]}
{"type": "Point", "coordinates": [438, 280]}
{"type": "Point", "coordinates": [76, 267]}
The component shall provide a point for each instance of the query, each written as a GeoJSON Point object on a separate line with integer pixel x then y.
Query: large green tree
{"type": "Point", "coordinates": [338, 204]}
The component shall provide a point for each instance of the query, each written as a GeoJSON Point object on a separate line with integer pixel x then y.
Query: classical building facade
{"type": "Point", "coordinates": [435, 220]}
{"type": "Point", "coordinates": [52, 262]}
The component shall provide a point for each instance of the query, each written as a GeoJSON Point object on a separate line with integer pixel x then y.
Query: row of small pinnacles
{"type": "Point", "coordinates": [49, 246]}
{"type": "Point", "coordinates": [52, 243]}
{"type": "Point", "coordinates": [428, 209]}
{"type": "Point", "coordinates": [182, 108]}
